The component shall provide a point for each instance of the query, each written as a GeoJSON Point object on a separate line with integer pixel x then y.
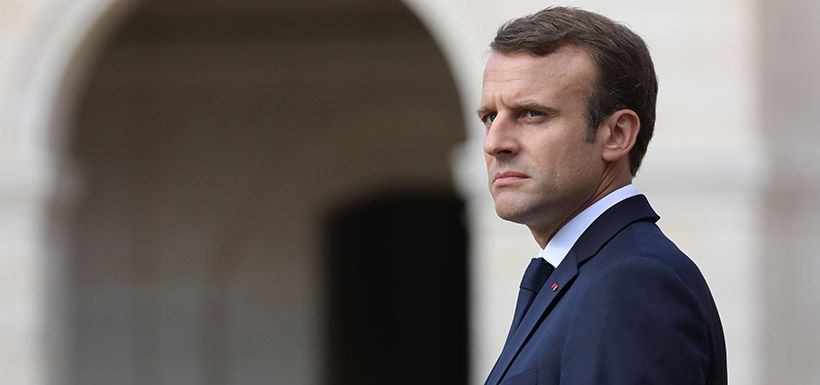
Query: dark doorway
{"type": "Point", "coordinates": [397, 291]}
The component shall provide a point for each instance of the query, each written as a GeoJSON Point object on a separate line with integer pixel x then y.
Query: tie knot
{"type": "Point", "coordinates": [537, 273]}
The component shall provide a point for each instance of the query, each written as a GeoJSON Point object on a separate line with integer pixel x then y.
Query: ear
{"type": "Point", "coordinates": [618, 134]}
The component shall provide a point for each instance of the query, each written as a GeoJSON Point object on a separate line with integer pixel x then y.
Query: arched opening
{"type": "Point", "coordinates": [212, 142]}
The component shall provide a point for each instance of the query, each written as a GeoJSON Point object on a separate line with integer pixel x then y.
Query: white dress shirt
{"type": "Point", "coordinates": [565, 238]}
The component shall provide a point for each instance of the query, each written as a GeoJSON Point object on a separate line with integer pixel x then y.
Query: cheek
{"type": "Point", "coordinates": [586, 163]}
{"type": "Point", "coordinates": [569, 161]}
{"type": "Point", "coordinates": [488, 161]}
{"type": "Point", "coordinates": [555, 157]}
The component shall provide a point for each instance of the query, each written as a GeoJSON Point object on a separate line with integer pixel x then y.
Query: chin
{"type": "Point", "coordinates": [512, 214]}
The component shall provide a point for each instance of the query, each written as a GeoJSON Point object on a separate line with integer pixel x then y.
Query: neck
{"type": "Point", "coordinates": [609, 183]}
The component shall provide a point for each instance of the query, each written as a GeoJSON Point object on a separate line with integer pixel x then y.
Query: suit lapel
{"type": "Point", "coordinates": [605, 227]}
{"type": "Point", "coordinates": [562, 276]}
{"type": "Point", "coordinates": [612, 221]}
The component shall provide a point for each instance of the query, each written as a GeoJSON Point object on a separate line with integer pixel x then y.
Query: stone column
{"type": "Point", "coordinates": [790, 111]}
{"type": "Point", "coordinates": [44, 45]}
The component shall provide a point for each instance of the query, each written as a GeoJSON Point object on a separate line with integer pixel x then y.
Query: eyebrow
{"type": "Point", "coordinates": [533, 105]}
{"type": "Point", "coordinates": [481, 111]}
{"type": "Point", "coordinates": [524, 105]}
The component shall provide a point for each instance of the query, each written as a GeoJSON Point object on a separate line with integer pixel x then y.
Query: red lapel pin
{"type": "Point", "coordinates": [554, 286]}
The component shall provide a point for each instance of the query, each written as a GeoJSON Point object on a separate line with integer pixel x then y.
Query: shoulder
{"type": "Point", "coordinates": [641, 268]}
{"type": "Point", "coordinates": [641, 248]}
{"type": "Point", "coordinates": [637, 297]}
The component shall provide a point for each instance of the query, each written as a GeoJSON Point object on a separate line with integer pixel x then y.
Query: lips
{"type": "Point", "coordinates": [508, 178]}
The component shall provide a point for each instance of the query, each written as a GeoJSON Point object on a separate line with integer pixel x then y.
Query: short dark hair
{"type": "Point", "coordinates": [626, 77]}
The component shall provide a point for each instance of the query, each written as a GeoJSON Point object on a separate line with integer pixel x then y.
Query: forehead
{"type": "Point", "coordinates": [568, 70]}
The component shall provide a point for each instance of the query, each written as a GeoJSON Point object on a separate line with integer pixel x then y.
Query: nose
{"type": "Point", "coordinates": [500, 139]}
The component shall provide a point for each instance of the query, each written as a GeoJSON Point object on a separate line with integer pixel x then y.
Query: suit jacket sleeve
{"type": "Point", "coordinates": [639, 324]}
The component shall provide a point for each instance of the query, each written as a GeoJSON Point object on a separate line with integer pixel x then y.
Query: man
{"type": "Point", "coordinates": [569, 105]}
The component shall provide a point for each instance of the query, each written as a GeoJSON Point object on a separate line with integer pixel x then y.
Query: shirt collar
{"type": "Point", "coordinates": [565, 238]}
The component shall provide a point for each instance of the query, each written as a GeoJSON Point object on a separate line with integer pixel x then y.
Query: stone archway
{"type": "Point", "coordinates": [207, 142]}
{"type": "Point", "coordinates": [78, 33]}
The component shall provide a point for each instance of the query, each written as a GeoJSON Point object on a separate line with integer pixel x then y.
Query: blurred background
{"type": "Point", "coordinates": [293, 192]}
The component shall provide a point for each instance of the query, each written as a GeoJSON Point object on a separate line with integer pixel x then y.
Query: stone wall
{"type": "Point", "coordinates": [731, 170]}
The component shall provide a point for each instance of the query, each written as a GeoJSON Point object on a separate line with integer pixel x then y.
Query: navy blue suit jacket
{"type": "Point", "coordinates": [625, 306]}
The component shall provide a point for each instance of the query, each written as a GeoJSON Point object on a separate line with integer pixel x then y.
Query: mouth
{"type": "Point", "coordinates": [508, 178]}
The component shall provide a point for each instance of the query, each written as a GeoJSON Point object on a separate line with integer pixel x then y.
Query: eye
{"type": "Point", "coordinates": [532, 114]}
{"type": "Point", "coordinates": [489, 118]}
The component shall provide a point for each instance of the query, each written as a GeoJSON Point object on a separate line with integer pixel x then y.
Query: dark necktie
{"type": "Point", "coordinates": [537, 273]}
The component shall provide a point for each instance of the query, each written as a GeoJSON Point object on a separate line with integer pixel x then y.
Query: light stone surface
{"type": "Point", "coordinates": [722, 187]}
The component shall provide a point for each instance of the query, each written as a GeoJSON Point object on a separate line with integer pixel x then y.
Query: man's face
{"type": "Point", "coordinates": [541, 167]}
